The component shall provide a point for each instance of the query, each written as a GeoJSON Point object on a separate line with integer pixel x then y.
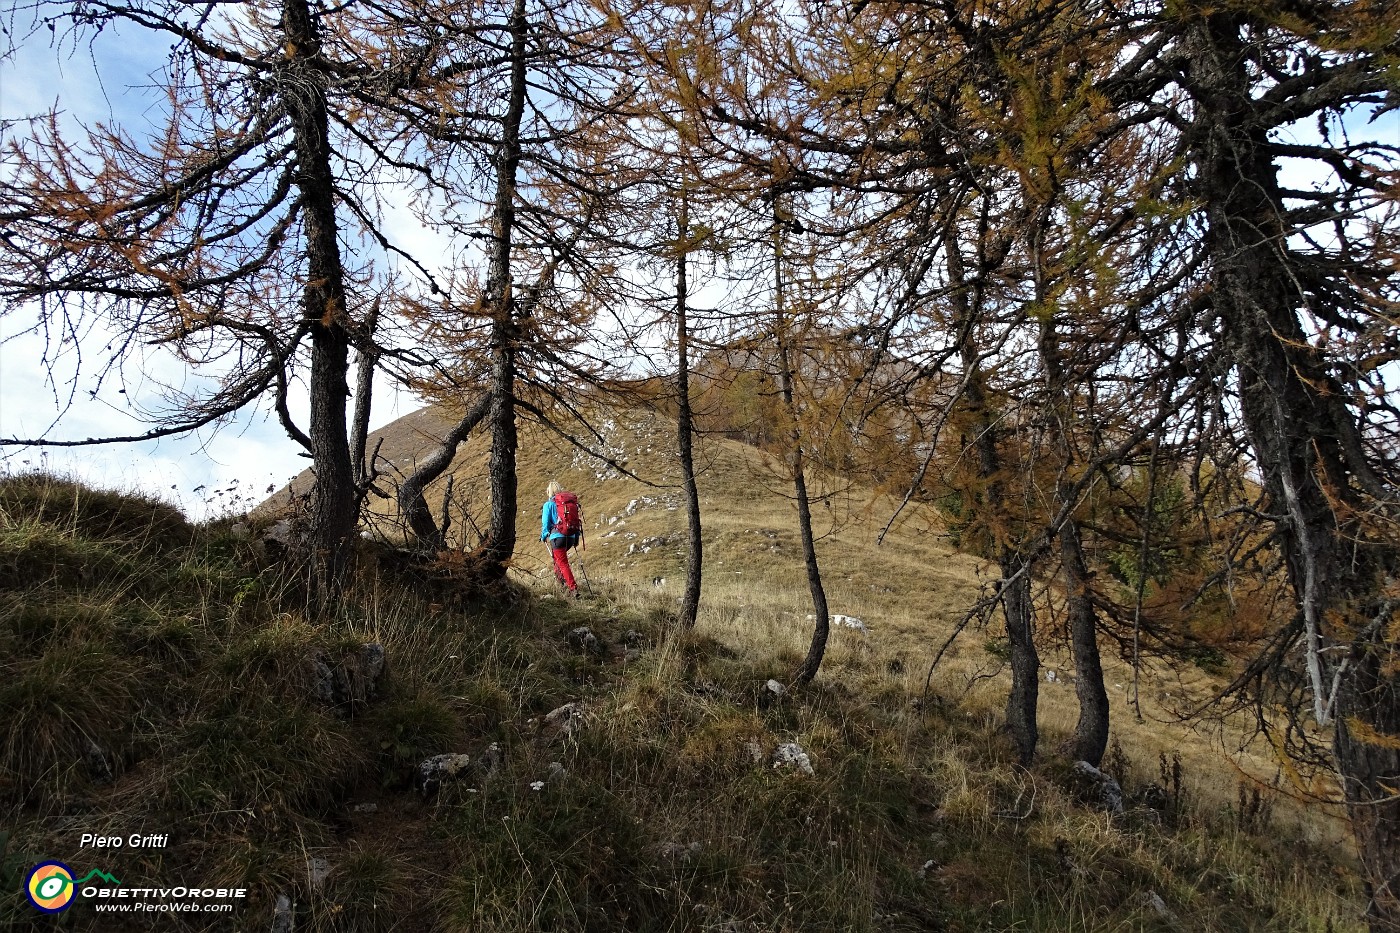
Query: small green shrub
{"type": "Point", "coordinates": [999, 648]}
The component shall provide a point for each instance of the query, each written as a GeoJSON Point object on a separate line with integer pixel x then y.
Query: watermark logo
{"type": "Point", "coordinates": [51, 886]}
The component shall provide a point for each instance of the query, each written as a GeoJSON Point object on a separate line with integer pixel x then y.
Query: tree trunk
{"type": "Point", "coordinates": [500, 303]}
{"type": "Point", "coordinates": [821, 628]}
{"type": "Point", "coordinates": [1015, 584]}
{"type": "Point", "coordinates": [1285, 396]}
{"type": "Point", "coordinates": [333, 499]}
{"type": "Point", "coordinates": [412, 504]}
{"type": "Point", "coordinates": [1090, 738]}
{"type": "Point", "coordinates": [1371, 772]}
{"type": "Point", "coordinates": [367, 357]}
{"type": "Point", "coordinates": [1024, 698]}
{"type": "Point", "coordinates": [685, 428]}
{"type": "Point", "coordinates": [1091, 731]}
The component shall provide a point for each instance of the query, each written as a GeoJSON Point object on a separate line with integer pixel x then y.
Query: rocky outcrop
{"type": "Point", "coordinates": [284, 915]}
{"type": "Point", "coordinates": [439, 770]}
{"type": "Point", "coordinates": [563, 723]}
{"type": "Point", "coordinates": [583, 639]}
{"type": "Point", "coordinates": [1097, 789]}
{"type": "Point", "coordinates": [352, 679]}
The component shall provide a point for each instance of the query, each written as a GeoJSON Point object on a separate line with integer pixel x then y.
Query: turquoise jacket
{"type": "Point", "coordinates": [549, 517]}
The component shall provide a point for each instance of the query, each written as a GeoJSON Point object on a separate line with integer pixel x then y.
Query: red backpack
{"type": "Point", "coordinates": [570, 516]}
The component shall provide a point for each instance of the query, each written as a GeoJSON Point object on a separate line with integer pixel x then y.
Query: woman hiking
{"type": "Point", "coordinates": [561, 527]}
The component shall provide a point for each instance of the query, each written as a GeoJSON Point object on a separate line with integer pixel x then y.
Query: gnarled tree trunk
{"type": "Point", "coordinates": [1299, 427]}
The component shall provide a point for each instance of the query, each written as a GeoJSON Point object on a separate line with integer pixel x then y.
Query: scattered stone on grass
{"type": "Point", "coordinates": [790, 754]}
{"type": "Point", "coordinates": [563, 723]}
{"type": "Point", "coordinates": [439, 770]}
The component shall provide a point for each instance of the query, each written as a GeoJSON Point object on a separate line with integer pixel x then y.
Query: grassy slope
{"type": "Point", "coordinates": [176, 651]}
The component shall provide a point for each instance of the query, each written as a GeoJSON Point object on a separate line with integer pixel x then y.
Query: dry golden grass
{"type": "Point", "coordinates": [907, 777]}
{"type": "Point", "coordinates": [911, 591]}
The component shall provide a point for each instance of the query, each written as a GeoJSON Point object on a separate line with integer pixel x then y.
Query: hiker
{"type": "Point", "coordinates": [561, 527]}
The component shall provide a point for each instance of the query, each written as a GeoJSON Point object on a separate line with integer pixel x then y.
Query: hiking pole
{"type": "Point", "coordinates": [587, 582]}
{"type": "Point", "coordinates": [549, 563]}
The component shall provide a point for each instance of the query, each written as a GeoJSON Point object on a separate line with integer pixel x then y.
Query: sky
{"type": "Point", "coordinates": [222, 469]}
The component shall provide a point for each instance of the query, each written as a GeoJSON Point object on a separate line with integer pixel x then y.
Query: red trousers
{"type": "Point", "coordinates": [562, 570]}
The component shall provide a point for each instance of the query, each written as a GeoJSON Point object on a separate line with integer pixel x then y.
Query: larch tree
{"type": "Point", "coordinates": [242, 204]}
{"type": "Point", "coordinates": [1301, 283]}
{"type": "Point", "coordinates": [524, 135]}
{"type": "Point", "coordinates": [719, 74]}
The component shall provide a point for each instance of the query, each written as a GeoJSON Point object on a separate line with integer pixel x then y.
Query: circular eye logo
{"type": "Point", "coordinates": [50, 887]}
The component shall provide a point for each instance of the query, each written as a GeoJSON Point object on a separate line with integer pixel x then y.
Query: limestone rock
{"type": "Point", "coordinates": [770, 694]}
{"type": "Point", "coordinates": [97, 761]}
{"type": "Point", "coordinates": [282, 532]}
{"type": "Point", "coordinates": [790, 754]}
{"type": "Point", "coordinates": [563, 723]}
{"type": "Point", "coordinates": [439, 770]}
{"type": "Point", "coordinates": [846, 621]}
{"type": "Point", "coordinates": [283, 915]}
{"type": "Point", "coordinates": [490, 761]}
{"type": "Point", "coordinates": [1154, 797]}
{"type": "Point", "coordinates": [352, 680]}
{"type": "Point", "coordinates": [1152, 903]}
{"type": "Point", "coordinates": [317, 871]}
{"type": "Point", "coordinates": [583, 639]}
{"type": "Point", "coordinates": [1098, 789]}
{"type": "Point", "coordinates": [675, 852]}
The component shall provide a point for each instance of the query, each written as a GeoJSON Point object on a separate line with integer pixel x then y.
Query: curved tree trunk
{"type": "Point", "coordinates": [821, 628]}
{"type": "Point", "coordinates": [412, 504]}
{"type": "Point", "coordinates": [685, 428]}
{"type": "Point", "coordinates": [1015, 584]}
{"type": "Point", "coordinates": [367, 358]}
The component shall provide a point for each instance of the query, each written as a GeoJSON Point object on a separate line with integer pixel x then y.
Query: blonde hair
{"type": "Point", "coordinates": [551, 489]}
